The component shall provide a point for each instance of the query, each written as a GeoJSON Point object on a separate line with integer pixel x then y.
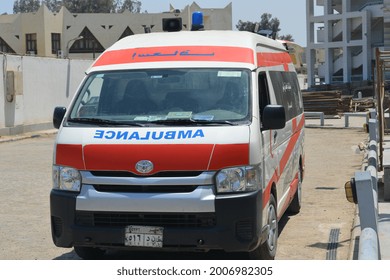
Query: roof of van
{"type": "Point", "coordinates": [212, 38]}
{"type": "Point", "coordinates": [236, 46]}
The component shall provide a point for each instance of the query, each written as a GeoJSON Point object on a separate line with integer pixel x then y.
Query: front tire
{"type": "Point", "coordinates": [267, 250]}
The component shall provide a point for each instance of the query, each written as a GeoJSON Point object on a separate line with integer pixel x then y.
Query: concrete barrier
{"type": "Point", "coordinates": [357, 114]}
{"type": "Point", "coordinates": [366, 188]}
{"type": "Point", "coordinates": [319, 115]}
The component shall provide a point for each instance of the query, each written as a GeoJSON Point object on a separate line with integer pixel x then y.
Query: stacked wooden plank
{"type": "Point", "coordinates": [329, 102]}
{"type": "Point", "coordinates": [362, 104]}
{"type": "Point", "coordinates": [334, 103]}
{"type": "Point", "coordinates": [346, 103]}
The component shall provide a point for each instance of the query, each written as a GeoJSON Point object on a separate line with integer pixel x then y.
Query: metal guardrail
{"type": "Point", "coordinates": [368, 245]}
{"type": "Point", "coordinates": [365, 188]}
{"type": "Point", "coordinates": [320, 115]}
{"type": "Point", "coordinates": [355, 114]}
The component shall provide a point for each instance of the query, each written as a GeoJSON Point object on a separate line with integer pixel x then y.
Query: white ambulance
{"type": "Point", "coordinates": [180, 141]}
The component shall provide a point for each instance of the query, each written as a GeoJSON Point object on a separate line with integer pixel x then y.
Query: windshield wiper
{"type": "Point", "coordinates": [104, 122]}
{"type": "Point", "coordinates": [191, 122]}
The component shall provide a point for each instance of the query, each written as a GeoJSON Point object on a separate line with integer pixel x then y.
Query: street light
{"type": "Point", "coordinates": [71, 40]}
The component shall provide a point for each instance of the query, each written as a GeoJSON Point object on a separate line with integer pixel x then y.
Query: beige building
{"type": "Point", "coordinates": [342, 36]}
{"type": "Point", "coordinates": [66, 34]}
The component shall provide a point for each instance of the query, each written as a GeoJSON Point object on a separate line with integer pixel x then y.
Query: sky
{"type": "Point", "coordinates": [291, 13]}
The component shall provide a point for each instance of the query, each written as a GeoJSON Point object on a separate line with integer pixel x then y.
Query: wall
{"type": "Point", "coordinates": [39, 85]}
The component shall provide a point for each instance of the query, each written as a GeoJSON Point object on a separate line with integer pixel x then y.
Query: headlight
{"type": "Point", "coordinates": [66, 179]}
{"type": "Point", "coordinates": [238, 179]}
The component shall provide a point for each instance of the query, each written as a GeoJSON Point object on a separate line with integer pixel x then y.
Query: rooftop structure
{"type": "Point", "coordinates": [82, 35]}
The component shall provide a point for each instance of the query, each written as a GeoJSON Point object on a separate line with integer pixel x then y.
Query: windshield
{"type": "Point", "coordinates": [161, 96]}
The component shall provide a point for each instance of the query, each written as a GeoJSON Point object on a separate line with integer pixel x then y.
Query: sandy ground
{"type": "Point", "coordinates": [332, 157]}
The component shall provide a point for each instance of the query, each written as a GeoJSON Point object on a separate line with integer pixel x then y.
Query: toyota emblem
{"type": "Point", "coordinates": [144, 166]}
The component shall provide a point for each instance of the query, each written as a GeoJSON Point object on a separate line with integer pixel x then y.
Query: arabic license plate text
{"type": "Point", "coordinates": [144, 236]}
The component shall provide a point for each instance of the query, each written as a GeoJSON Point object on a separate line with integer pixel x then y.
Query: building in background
{"type": "Point", "coordinates": [342, 36]}
{"type": "Point", "coordinates": [78, 35]}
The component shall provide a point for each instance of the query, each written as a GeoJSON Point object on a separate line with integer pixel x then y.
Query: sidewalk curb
{"type": "Point", "coordinates": [35, 134]}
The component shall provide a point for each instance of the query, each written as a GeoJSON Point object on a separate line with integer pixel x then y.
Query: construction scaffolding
{"type": "Point", "coordinates": [382, 66]}
{"type": "Point", "coordinates": [383, 117]}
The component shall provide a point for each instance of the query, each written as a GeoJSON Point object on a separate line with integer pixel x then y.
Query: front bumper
{"type": "Point", "coordinates": [234, 226]}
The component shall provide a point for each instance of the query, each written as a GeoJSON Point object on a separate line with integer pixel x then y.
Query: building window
{"type": "Point", "coordinates": [31, 43]}
{"type": "Point", "coordinates": [4, 47]}
{"type": "Point", "coordinates": [55, 43]}
{"type": "Point", "coordinates": [88, 43]}
{"type": "Point", "coordinates": [127, 32]}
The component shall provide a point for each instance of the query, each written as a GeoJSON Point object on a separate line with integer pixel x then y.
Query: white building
{"type": "Point", "coordinates": [83, 35]}
{"type": "Point", "coordinates": [342, 36]}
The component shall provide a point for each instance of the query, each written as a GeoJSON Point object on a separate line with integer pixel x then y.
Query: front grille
{"type": "Point", "coordinates": [144, 189]}
{"type": "Point", "coordinates": [182, 220]}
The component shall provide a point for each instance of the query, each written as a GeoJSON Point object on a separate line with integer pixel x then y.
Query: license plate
{"type": "Point", "coordinates": [144, 236]}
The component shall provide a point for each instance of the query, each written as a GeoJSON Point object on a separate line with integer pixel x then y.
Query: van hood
{"type": "Point", "coordinates": [168, 149]}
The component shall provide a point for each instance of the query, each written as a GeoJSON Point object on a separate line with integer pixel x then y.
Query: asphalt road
{"type": "Point", "coordinates": [331, 159]}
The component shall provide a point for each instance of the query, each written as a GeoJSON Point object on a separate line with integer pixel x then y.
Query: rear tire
{"type": "Point", "coordinates": [89, 253]}
{"type": "Point", "coordinates": [267, 250]}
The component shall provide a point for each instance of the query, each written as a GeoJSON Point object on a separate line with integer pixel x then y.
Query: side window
{"type": "Point", "coordinates": [90, 99]}
{"type": "Point", "coordinates": [31, 43]}
{"type": "Point", "coordinates": [287, 92]}
{"type": "Point", "coordinates": [264, 99]}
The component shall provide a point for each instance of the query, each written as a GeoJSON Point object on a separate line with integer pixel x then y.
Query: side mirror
{"type": "Point", "coordinates": [58, 116]}
{"type": "Point", "coordinates": [274, 117]}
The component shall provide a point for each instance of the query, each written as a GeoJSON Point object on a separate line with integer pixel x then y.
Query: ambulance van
{"type": "Point", "coordinates": [180, 141]}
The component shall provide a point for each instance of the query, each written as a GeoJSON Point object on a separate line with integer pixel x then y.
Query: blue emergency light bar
{"type": "Point", "coordinates": [197, 21]}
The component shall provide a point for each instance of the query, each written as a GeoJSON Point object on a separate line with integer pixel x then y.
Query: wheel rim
{"type": "Point", "coordinates": [273, 227]}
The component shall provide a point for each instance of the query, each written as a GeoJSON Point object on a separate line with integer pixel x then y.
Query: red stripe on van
{"type": "Point", "coordinates": [297, 128]}
{"type": "Point", "coordinates": [70, 155]}
{"type": "Point", "coordinates": [291, 144]}
{"type": "Point", "coordinates": [229, 155]}
{"type": "Point", "coordinates": [273, 59]}
{"type": "Point", "coordinates": [176, 53]}
{"type": "Point", "coordinates": [171, 157]}
{"type": "Point", "coordinates": [293, 188]}
{"type": "Point", "coordinates": [164, 157]}
{"type": "Point", "coordinates": [294, 124]}
{"type": "Point", "coordinates": [287, 154]}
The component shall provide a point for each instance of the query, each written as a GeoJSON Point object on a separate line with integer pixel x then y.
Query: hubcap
{"type": "Point", "coordinates": [273, 227]}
